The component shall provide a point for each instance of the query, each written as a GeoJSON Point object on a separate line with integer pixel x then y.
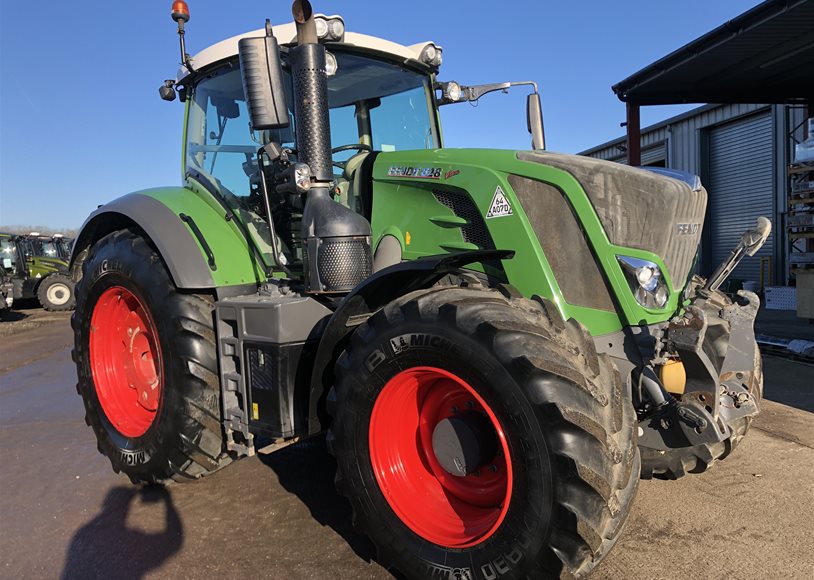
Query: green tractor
{"type": "Point", "coordinates": [37, 271]}
{"type": "Point", "coordinates": [498, 344]}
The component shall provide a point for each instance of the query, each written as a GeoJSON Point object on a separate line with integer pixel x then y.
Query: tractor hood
{"type": "Point", "coordinates": [42, 266]}
{"type": "Point", "coordinates": [662, 213]}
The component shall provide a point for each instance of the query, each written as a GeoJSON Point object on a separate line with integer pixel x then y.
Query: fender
{"type": "Point", "coordinates": [368, 297]}
{"type": "Point", "coordinates": [200, 247]}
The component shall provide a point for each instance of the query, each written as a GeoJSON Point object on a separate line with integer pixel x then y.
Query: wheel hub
{"type": "Point", "coordinates": [440, 457]}
{"type": "Point", "coordinates": [58, 294]}
{"type": "Point", "coordinates": [464, 443]}
{"type": "Point", "coordinates": [125, 361]}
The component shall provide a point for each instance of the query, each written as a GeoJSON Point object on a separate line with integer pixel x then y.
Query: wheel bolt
{"type": "Point", "coordinates": [493, 468]}
{"type": "Point", "coordinates": [454, 410]}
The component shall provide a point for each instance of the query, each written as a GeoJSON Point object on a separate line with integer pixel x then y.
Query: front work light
{"type": "Point", "coordinates": [646, 282]}
{"type": "Point", "coordinates": [431, 55]}
{"type": "Point", "coordinates": [330, 28]}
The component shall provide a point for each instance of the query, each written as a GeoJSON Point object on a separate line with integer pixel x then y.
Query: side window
{"type": "Point", "coordinates": [228, 142]}
{"type": "Point", "coordinates": [220, 143]}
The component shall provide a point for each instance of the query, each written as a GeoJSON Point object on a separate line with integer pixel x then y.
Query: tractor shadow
{"type": "Point", "coordinates": [107, 547]}
{"type": "Point", "coordinates": [12, 315]}
{"type": "Point", "coordinates": [307, 470]}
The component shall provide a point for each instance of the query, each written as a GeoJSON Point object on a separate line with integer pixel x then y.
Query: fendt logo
{"type": "Point", "coordinates": [687, 229]}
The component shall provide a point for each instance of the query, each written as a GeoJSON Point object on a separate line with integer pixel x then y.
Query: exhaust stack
{"type": "Point", "coordinates": [336, 240]}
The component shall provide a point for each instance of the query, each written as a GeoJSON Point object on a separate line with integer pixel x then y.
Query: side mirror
{"type": "Point", "coordinates": [534, 116]}
{"type": "Point", "coordinates": [262, 75]}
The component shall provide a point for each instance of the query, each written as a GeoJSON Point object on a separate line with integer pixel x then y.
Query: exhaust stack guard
{"type": "Point", "coordinates": [336, 240]}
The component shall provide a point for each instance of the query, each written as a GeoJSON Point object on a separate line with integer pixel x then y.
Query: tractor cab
{"type": "Point", "coordinates": [63, 246]}
{"type": "Point", "coordinates": [380, 99]}
{"type": "Point", "coordinates": [41, 246]}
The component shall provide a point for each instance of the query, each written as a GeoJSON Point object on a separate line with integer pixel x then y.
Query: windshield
{"type": "Point", "coordinates": [44, 248]}
{"type": "Point", "coordinates": [372, 102]}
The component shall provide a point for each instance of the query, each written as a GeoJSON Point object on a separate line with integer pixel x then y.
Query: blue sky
{"type": "Point", "coordinates": [81, 121]}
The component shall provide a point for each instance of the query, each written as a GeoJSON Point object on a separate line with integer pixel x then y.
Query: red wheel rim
{"type": "Point", "coordinates": [125, 361]}
{"type": "Point", "coordinates": [451, 511]}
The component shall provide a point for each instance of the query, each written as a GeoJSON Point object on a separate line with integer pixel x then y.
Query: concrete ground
{"type": "Point", "coordinates": [64, 513]}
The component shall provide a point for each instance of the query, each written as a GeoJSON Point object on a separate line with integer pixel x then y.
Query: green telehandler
{"type": "Point", "coordinates": [497, 344]}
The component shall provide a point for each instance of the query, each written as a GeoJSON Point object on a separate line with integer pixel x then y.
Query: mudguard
{"type": "Point", "coordinates": [201, 248]}
{"type": "Point", "coordinates": [368, 297]}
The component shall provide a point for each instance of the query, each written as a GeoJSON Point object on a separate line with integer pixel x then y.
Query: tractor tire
{"type": "Point", "coordinates": [676, 463]}
{"type": "Point", "coordinates": [548, 486]}
{"type": "Point", "coordinates": [56, 293]}
{"type": "Point", "coordinates": [147, 365]}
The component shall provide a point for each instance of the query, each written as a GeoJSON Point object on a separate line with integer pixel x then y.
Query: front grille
{"type": "Point", "coordinates": [475, 231]}
{"type": "Point", "coordinates": [679, 256]}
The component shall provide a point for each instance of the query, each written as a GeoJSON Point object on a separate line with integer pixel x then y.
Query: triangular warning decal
{"type": "Point", "coordinates": [500, 205]}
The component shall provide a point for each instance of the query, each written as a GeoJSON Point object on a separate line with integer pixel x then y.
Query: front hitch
{"type": "Point", "coordinates": [715, 341]}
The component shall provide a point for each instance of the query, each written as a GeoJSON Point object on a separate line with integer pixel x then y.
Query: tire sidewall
{"type": "Point", "coordinates": [144, 456]}
{"type": "Point", "coordinates": [513, 547]}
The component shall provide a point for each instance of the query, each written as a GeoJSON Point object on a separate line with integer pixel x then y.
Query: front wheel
{"type": "Point", "coordinates": [56, 293]}
{"type": "Point", "coordinates": [481, 437]}
{"type": "Point", "coordinates": [147, 365]}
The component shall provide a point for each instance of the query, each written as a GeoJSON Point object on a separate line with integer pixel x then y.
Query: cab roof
{"type": "Point", "coordinates": [286, 34]}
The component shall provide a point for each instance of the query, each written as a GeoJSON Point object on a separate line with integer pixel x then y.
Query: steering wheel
{"type": "Point", "coordinates": [349, 147]}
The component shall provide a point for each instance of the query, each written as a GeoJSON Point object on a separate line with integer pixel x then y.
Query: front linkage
{"type": "Point", "coordinates": [715, 341]}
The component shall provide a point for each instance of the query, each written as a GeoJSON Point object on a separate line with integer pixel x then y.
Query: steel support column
{"type": "Point", "coordinates": [634, 135]}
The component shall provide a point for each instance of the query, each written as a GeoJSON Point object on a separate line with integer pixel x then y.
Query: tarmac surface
{"type": "Point", "coordinates": [65, 514]}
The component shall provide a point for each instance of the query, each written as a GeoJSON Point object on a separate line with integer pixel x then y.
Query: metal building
{"type": "Point", "coordinates": [741, 148]}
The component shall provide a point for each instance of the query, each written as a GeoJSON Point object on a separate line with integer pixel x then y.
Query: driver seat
{"type": "Point", "coordinates": [350, 188]}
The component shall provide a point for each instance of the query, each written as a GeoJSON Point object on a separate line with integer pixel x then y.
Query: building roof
{"type": "Point", "coordinates": [765, 55]}
{"type": "Point", "coordinates": [286, 34]}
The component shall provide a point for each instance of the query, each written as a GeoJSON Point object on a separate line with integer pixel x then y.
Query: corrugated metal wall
{"type": "Point", "coordinates": [741, 187]}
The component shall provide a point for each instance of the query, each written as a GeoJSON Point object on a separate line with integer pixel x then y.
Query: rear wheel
{"type": "Point", "coordinates": [147, 365]}
{"type": "Point", "coordinates": [482, 436]}
{"type": "Point", "coordinates": [56, 293]}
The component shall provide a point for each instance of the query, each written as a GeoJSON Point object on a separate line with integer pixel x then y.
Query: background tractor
{"type": "Point", "coordinates": [497, 343]}
{"type": "Point", "coordinates": [37, 271]}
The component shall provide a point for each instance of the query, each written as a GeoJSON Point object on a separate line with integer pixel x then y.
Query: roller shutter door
{"type": "Point", "coordinates": [741, 188]}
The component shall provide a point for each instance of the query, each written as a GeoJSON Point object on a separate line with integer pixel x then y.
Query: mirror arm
{"type": "Point", "coordinates": [476, 92]}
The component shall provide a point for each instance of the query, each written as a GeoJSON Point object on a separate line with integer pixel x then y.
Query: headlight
{"type": "Point", "coordinates": [646, 282]}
